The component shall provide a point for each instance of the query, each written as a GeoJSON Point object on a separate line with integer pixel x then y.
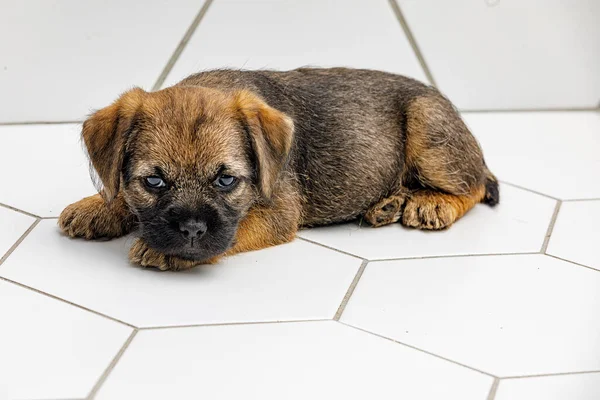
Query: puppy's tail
{"type": "Point", "coordinates": [492, 192]}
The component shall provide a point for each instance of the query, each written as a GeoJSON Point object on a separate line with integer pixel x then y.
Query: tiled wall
{"type": "Point", "coordinates": [499, 54]}
{"type": "Point", "coordinates": [484, 54]}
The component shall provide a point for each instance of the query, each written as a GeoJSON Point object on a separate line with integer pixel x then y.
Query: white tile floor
{"type": "Point", "coordinates": [496, 296]}
{"type": "Point", "coordinates": [505, 305]}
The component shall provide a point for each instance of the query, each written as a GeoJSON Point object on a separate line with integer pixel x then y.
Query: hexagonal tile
{"type": "Point", "coordinates": [518, 224]}
{"type": "Point", "coordinates": [562, 387]}
{"type": "Point", "coordinates": [289, 282]}
{"type": "Point", "coordinates": [13, 225]}
{"type": "Point", "coordinates": [63, 59]}
{"type": "Point", "coordinates": [505, 315]}
{"type": "Point", "coordinates": [318, 360]}
{"type": "Point", "coordinates": [576, 233]}
{"type": "Point", "coordinates": [50, 349]}
{"type": "Point", "coordinates": [291, 34]}
{"type": "Point", "coordinates": [553, 153]}
{"type": "Point", "coordinates": [48, 166]}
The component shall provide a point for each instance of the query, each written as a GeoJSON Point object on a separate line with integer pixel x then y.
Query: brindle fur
{"type": "Point", "coordinates": [310, 146]}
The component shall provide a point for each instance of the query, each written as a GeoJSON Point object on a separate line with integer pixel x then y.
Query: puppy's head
{"type": "Point", "coordinates": [190, 161]}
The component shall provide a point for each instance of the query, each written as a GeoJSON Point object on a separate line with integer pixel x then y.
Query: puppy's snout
{"type": "Point", "coordinates": [193, 228]}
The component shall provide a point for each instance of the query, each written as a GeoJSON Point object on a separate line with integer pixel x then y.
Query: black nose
{"type": "Point", "coordinates": [192, 228]}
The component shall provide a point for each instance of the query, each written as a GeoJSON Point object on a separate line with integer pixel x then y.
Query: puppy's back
{"type": "Point", "coordinates": [349, 131]}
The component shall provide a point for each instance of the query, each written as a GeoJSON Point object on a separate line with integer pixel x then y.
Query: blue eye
{"type": "Point", "coordinates": [225, 181]}
{"type": "Point", "coordinates": [155, 182]}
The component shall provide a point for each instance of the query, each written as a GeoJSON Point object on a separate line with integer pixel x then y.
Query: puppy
{"type": "Point", "coordinates": [230, 161]}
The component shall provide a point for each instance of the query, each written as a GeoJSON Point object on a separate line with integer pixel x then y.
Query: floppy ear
{"type": "Point", "coordinates": [105, 135]}
{"type": "Point", "coordinates": [271, 133]}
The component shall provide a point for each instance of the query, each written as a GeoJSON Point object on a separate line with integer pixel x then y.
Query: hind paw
{"type": "Point", "coordinates": [387, 211]}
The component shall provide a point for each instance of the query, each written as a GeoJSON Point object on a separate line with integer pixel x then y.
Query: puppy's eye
{"type": "Point", "coordinates": [225, 181]}
{"type": "Point", "coordinates": [155, 182]}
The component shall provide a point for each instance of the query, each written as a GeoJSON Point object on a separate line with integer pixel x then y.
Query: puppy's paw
{"type": "Point", "coordinates": [428, 212]}
{"type": "Point", "coordinates": [141, 254]}
{"type": "Point", "coordinates": [93, 218]}
{"type": "Point", "coordinates": [387, 211]}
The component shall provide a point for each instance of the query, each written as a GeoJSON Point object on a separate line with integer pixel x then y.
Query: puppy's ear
{"type": "Point", "coordinates": [105, 135]}
{"type": "Point", "coordinates": [271, 133]}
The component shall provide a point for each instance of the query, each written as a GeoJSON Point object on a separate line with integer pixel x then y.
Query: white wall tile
{"type": "Point", "coordinates": [286, 34]}
{"type": "Point", "coordinates": [60, 59]}
{"type": "Point", "coordinates": [492, 54]}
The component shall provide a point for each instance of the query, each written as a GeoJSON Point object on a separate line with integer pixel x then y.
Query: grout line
{"type": "Point", "coordinates": [148, 328]}
{"type": "Point", "coordinates": [62, 398]}
{"type": "Point", "coordinates": [525, 110]}
{"type": "Point", "coordinates": [18, 242]}
{"type": "Point", "coordinates": [552, 374]}
{"type": "Point", "coordinates": [418, 349]}
{"type": "Point", "coordinates": [493, 389]}
{"type": "Point", "coordinates": [331, 248]}
{"type": "Point", "coordinates": [166, 72]}
{"type": "Point", "coordinates": [111, 366]}
{"type": "Point", "coordinates": [350, 291]}
{"type": "Point", "coordinates": [455, 256]}
{"type": "Point", "coordinates": [411, 39]}
{"type": "Point", "coordinates": [184, 41]}
{"type": "Point", "coordinates": [572, 262]}
{"type": "Point", "coordinates": [551, 227]}
{"type": "Point", "coordinates": [530, 190]}
{"type": "Point", "coordinates": [580, 200]}
{"type": "Point", "coordinates": [20, 211]}
{"type": "Point", "coordinates": [40, 123]}
{"type": "Point", "coordinates": [2, 278]}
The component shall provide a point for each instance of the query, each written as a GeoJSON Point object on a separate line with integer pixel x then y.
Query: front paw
{"type": "Point", "coordinates": [141, 254]}
{"type": "Point", "coordinates": [93, 218]}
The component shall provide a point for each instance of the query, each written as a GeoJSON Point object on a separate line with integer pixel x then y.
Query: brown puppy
{"type": "Point", "coordinates": [230, 161]}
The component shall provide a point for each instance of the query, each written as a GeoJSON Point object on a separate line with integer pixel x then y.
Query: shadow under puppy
{"type": "Point", "coordinates": [231, 161]}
